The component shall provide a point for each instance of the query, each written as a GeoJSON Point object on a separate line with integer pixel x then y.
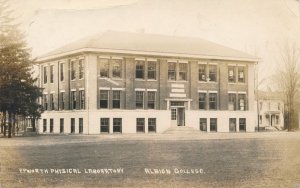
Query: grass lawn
{"type": "Point", "coordinates": [250, 162]}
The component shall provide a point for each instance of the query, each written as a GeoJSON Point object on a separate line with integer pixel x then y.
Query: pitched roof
{"type": "Point", "coordinates": [151, 44]}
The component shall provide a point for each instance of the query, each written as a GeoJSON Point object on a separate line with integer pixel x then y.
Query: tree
{"type": "Point", "coordinates": [288, 81]}
{"type": "Point", "coordinates": [18, 92]}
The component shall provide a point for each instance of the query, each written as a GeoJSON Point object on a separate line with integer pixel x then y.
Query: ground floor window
{"type": "Point", "coordinates": [173, 114]}
{"type": "Point", "coordinates": [72, 125]}
{"type": "Point", "coordinates": [242, 122]}
{"type": "Point", "coordinates": [44, 125]}
{"type": "Point", "coordinates": [61, 125]}
{"type": "Point", "coordinates": [104, 125]}
{"type": "Point", "coordinates": [140, 125]}
{"type": "Point", "coordinates": [117, 125]}
{"type": "Point", "coordinates": [80, 125]}
{"type": "Point", "coordinates": [213, 125]}
{"type": "Point", "coordinates": [152, 125]}
{"type": "Point", "coordinates": [51, 125]}
{"type": "Point", "coordinates": [203, 124]}
{"type": "Point", "coordinates": [232, 124]}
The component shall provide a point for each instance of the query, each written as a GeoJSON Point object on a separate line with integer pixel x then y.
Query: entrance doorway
{"type": "Point", "coordinates": [178, 116]}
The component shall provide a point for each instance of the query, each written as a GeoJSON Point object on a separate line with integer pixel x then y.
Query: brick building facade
{"type": "Point", "coordinates": [121, 82]}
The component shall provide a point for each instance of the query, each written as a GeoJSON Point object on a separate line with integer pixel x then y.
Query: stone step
{"type": "Point", "coordinates": [181, 130]}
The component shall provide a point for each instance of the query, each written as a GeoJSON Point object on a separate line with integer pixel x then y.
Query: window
{"type": "Point", "coordinates": [176, 103]}
{"type": "Point", "coordinates": [242, 122]}
{"type": "Point", "coordinates": [151, 99]}
{"type": "Point", "coordinates": [231, 101]}
{"type": "Point", "coordinates": [140, 125]}
{"type": "Point", "coordinates": [81, 69]}
{"type": "Point", "coordinates": [151, 124]}
{"type": "Point", "coordinates": [260, 119]}
{"type": "Point", "coordinates": [81, 99]}
{"type": "Point", "coordinates": [44, 125]}
{"type": "Point", "coordinates": [116, 68]}
{"type": "Point", "coordinates": [116, 99]}
{"type": "Point", "coordinates": [231, 73]}
{"type": "Point", "coordinates": [80, 125]}
{"type": "Point", "coordinates": [203, 124]}
{"type": "Point", "coordinates": [62, 72]}
{"type": "Point", "coordinates": [51, 125]}
{"type": "Point", "coordinates": [62, 100]}
{"type": "Point", "coordinates": [72, 125]}
{"type": "Point", "coordinates": [213, 73]}
{"type": "Point", "coordinates": [241, 74]}
{"type": "Point", "coordinates": [202, 101]}
{"type": "Point", "coordinates": [45, 75]}
{"type": "Point", "coordinates": [182, 71]}
{"type": "Point", "coordinates": [73, 100]}
{"type": "Point", "coordinates": [242, 101]}
{"type": "Point", "coordinates": [51, 73]}
{"type": "Point", "coordinates": [152, 70]}
{"type": "Point", "coordinates": [212, 101]}
{"type": "Point", "coordinates": [45, 98]}
{"type": "Point", "coordinates": [213, 125]}
{"type": "Point", "coordinates": [61, 125]}
{"type": "Point", "coordinates": [104, 68]}
{"type": "Point", "coordinates": [139, 99]}
{"type": "Point", "coordinates": [104, 99]}
{"type": "Point", "coordinates": [73, 70]}
{"type": "Point", "coordinates": [117, 125]}
{"type": "Point", "coordinates": [104, 125]}
{"type": "Point", "coordinates": [139, 69]}
{"type": "Point", "coordinates": [202, 72]}
{"type": "Point", "coordinates": [173, 114]}
{"type": "Point", "coordinates": [171, 71]}
{"type": "Point", "coordinates": [52, 101]}
{"type": "Point", "coordinates": [232, 124]}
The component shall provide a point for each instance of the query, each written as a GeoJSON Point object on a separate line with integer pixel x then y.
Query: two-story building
{"type": "Point", "coordinates": [119, 82]}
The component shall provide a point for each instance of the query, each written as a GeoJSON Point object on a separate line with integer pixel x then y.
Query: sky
{"type": "Point", "coordinates": [258, 27]}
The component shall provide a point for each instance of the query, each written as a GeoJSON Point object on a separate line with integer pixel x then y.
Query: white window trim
{"type": "Point", "coordinates": [103, 57]}
{"type": "Point", "coordinates": [232, 92]}
{"type": "Point", "coordinates": [104, 88]}
{"type": "Point", "coordinates": [151, 59]}
{"type": "Point", "coordinates": [212, 91]}
{"type": "Point", "coordinates": [242, 92]}
{"type": "Point", "coordinates": [139, 89]}
{"type": "Point", "coordinates": [117, 57]}
{"type": "Point", "coordinates": [202, 63]}
{"type": "Point", "coordinates": [80, 89]}
{"type": "Point", "coordinates": [202, 91]}
{"type": "Point", "coordinates": [73, 89]}
{"type": "Point", "coordinates": [183, 61]}
{"type": "Point", "coordinates": [118, 89]}
{"type": "Point", "coordinates": [62, 90]}
{"type": "Point", "coordinates": [140, 59]}
{"type": "Point", "coordinates": [52, 92]}
{"type": "Point", "coordinates": [151, 89]}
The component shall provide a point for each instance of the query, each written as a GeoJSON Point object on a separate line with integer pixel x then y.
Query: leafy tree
{"type": "Point", "coordinates": [288, 81]}
{"type": "Point", "coordinates": [18, 92]}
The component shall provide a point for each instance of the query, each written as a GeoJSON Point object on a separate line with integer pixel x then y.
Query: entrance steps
{"type": "Point", "coordinates": [181, 130]}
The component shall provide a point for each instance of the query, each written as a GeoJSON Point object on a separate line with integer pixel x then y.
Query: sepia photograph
{"type": "Point", "coordinates": [149, 93]}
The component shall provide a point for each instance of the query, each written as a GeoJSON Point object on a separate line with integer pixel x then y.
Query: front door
{"type": "Point", "coordinates": [180, 117]}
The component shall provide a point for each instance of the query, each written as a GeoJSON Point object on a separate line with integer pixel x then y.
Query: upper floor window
{"type": "Point", "coordinates": [139, 99]}
{"type": "Point", "coordinates": [116, 99]}
{"type": "Point", "coordinates": [231, 101]}
{"type": "Point", "coordinates": [104, 68]}
{"type": "Point", "coordinates": [241, 74]}
{"type": "Point", "coordinates": [231, 73]}
{"type": "Point", "coordinates": [73, 100]}
{"type": "Point", "coordinates": [139, 69]}
{"type": "Point", "coordinates": [73, 70]}
{"type": "Point", "coordinates": [151, 99]}
{"type": "Point", "coordinates": [202, 72]}
{"type": "Point", "coordinates": [212, 73]}
{"type": "Point", "coordinates": [45, 101]}
{"type": "Point", "coordinates": [52, 101]}
{"type": "Point", "coordinates": [104, 98]}
{"type": "Point", "coordinates": [151, 70]}
{"type": "Point", "coordinates": [81, 99]}
{"type": "Point", "coordinates": [213, 101]}
{"type": "Point", "coordinates": [202, 101]}
{"type": "Point", "coordinates": [62, 72]}
{"type": "Point", "coordinates": [81, 69]}
{"type": "Point", "coordinates": [45, 75]}
{"type": "Point", "coordinates": [182, 71]}
{"type": "Point", "coordinates": [116, 68]}
{"type": "Point", "coordinates": [51, 73]}
{"type": "Point", "coordinates": [242, 101]}
{"type": "Point", "coordinates": [171, 71]}
{"type": "Point", "coordinates": [62, 100]}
